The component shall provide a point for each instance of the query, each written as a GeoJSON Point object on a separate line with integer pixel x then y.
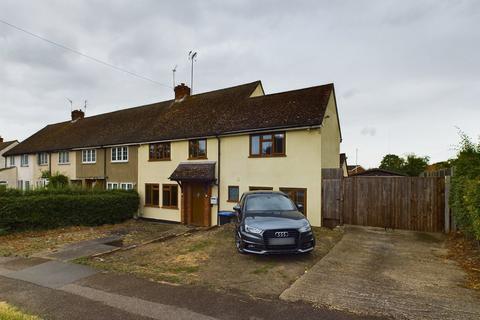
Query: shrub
{"type": "Point", "coordinates": [46, 208]}
{"type": "Point", "coordinates": [465, 190]}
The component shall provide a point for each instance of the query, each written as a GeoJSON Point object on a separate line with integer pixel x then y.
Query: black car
{"type": "Point", "coordinates": [268, 222]}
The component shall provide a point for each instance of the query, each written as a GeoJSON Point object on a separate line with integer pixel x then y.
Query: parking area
{"type": "Point", "coordinates": [209, 258]}
{"type": "Point", "coordinates": [400, 274]}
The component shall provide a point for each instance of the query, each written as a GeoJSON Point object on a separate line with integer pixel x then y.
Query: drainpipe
{"type": "Point", "coordinates": [105, 168]}
{"type": "Point", "coordinates": [218, 179]}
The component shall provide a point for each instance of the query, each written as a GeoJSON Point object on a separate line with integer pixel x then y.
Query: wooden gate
{"type": "Point", "coordinates": [332, 197]}
{"type": "Point", "coordinates": [411, 203]}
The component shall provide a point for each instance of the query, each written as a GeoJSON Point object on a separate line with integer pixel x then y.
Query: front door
{"type": "Point", "coordinates": [198, 208]}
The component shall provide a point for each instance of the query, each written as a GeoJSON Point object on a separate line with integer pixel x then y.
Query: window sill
{"type": "Point", "coordinates": [64, 164]}
{"type": "Point", "coordinates": [89, 162]}
{"type": "Point", "coordinates": [233, 201]}
{"type": "Point", "coordinates": [43, 164]}
{"type": "Point", "coordinates": [122, 161]}
{"type": "Point", "coordinates": [169, 207]}
{"type": "Point", "coordinates": [157, 160]}
{"type": "Point", "coordinates": [22, 166]}
{"type": "Point", "coordinates": [200, 158]}
{"type": "Point", "coordinates": [270, 156]}
{"type": "Point", "coordinates": [151, 206]}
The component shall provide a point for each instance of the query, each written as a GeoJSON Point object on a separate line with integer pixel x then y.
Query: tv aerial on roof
{"type": "Point", "coordinates": [192, 56]}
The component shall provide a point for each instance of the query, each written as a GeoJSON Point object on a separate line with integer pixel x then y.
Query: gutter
{"type": "Point", "coordinates": [218, 176]}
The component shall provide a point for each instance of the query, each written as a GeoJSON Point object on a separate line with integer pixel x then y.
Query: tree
{"type": "Point", "coordinates": [392, 162]}
{"type": "Point", "coordinates": [56, 180]}
{"type": "Point", "coordinates": [414, 165]}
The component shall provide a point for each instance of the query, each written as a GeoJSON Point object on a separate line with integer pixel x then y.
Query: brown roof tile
{"type": "Point", "coordinates": [201, 115]}
{"type": "Point", "coordinates": [5, 144]}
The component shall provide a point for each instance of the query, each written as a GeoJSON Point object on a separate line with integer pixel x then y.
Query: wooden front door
{"type": "Point", "coordinates": [198, 212]}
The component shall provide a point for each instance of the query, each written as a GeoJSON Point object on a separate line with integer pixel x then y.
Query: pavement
{"type": "Point", "coordinates": [398, 274]}
{"type": "Point", "coordinates": [54, 288]}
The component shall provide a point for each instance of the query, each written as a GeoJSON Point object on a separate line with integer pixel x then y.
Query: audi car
{"type": "Point", "coordinates": [268, 222]}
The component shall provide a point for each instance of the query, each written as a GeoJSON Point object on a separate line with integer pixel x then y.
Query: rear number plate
{"type": "Point", "coordinates": [281, 241]}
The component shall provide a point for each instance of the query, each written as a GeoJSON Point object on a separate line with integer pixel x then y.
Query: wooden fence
{"type": "Point", "coordinates": [412, 203]}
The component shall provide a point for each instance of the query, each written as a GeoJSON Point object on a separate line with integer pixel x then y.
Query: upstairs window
{"type": "Point", "coordinates": [126, 186]}
{"type": "Point", "coordinates": [112, 185]}
{"type": "Point", "coordinates": [159, 151]}
{"type": "Point", "coordinates": [120, 154]}
{"type": "Point", "coordinates": [89, 156]}
{"type": "Point", "coordinates": [197, 149]}
{"type": "Point", "coordinates": [23, 160]}
{"type": "Point", "coordinates": [43, 158]}
{"type": "Point", "coordinates": [63, 157]}
{"type": "Point", "coordinates": [267, 145]}
{"type": "Point", "coordinates": [12, 161]}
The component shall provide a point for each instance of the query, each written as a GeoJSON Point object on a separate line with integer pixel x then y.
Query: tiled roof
{"type": "Point", "coordinates": [201, 115]}
{"type": "Point", "coordinates": [194, 171]}
{"type": "Point", "coordinates": [5, 144]}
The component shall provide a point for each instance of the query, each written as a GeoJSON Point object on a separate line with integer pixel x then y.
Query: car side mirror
{"type": "Point", "coordinates": [300, 206]}
{"type": "Point", "coordinates": [236, 208]}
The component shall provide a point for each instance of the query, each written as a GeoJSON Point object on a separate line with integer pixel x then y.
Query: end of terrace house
{"type": "Point", "coordinates": [194, 155]}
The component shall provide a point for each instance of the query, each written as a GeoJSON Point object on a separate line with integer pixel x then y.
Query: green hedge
{"type": "Point", "coordinates": [51, 209]}
{"type": "Point", "coordinates": [465, 190]}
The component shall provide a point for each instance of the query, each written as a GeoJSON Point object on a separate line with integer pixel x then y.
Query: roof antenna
{"type": "Point", "coordinates": [85, 106]}
{"type": "Point", "coordinates": [173, 71]}
{"type": "Point", "coordinates": [192, 56]}
{"type": "Point", "coordinates": [71, 104]}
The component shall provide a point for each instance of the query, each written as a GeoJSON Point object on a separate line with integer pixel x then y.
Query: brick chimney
{"type": "Point", "coordinates": [1, 139]}
{"type": "Point", "coordinates": [181, 91]}
{"type": "Point", "coordinates": [77, 115]}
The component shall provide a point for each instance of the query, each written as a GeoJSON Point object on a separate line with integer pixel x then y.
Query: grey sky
{"type": "Point", "coordinates": [405, 72]}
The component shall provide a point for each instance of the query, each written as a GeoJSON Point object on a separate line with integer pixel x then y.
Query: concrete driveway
{"type": "Point", "coordinates": [399, 274]}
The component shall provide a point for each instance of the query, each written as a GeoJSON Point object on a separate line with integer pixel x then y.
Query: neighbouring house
{"type": "Point", "coordinates": [355, 169]}
{"type": "Point", "coordinates": [377, 172]}
{"type": "Point", "coordinates": [194, 155]}
{"type": "Point", "coordinates": [343, 164]}
{"type": "Point", "coordinates": [8, 172]}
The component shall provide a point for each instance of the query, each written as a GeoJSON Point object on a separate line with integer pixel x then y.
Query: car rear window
{"type": "Point", "coordinates": [268, 202]}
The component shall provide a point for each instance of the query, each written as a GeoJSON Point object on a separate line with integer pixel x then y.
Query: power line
{"type": "Point", "coordinates": [83, 54]}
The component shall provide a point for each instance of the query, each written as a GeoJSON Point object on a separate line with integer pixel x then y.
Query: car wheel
{"type": "Point", "coordinates": [238, 244]}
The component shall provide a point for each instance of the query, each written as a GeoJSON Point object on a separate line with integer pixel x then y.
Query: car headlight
{"type": "Point", "coordinates": [306, 228]}
{"type": "Point", "coordinates": [250, 229]}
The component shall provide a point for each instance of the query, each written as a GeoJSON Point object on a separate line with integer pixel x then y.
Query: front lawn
{"type": "Point", "coordinates": [7, 312]}
{"type": "Point", "coordinates": [209, 258]}
{"type": "Point", "coordinates": [29, 243]}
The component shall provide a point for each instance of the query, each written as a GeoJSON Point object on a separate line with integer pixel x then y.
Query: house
{"type": "Point", "coordinates": [8, 173]}
{"type": "Point", "coordinates": [194, 155]}
{"type": "Point", "coordinates": [343, 164]}
{"type": "Point", "coordinates": [377, 172]}
{"type": "Point", "coordinates": [354, 169]}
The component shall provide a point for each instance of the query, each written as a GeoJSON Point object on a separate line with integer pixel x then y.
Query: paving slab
{"type": "Point", "coordinates": [399, 274]}
{"type": "Point", "coordinates": [52, 274]}
{"type": "Point", "coordinates": [21, 263]}
{"type": "Point", "coordinates": [75, 252]}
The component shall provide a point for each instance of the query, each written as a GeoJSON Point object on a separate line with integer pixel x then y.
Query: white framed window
{"type": "Point", "coordinates": [24, 160]}
{"type": "Point", "coordinates": [64, 157]}
{"type": "Point", "coordinates": [12, 161]}
{"type": "Point", "coordinates": [126, 186]}
{"type": "Point", "coordinates": [42, 158]}
{"type": "Point", "coordinates": [112, 185]}
{"type": "Point", "coordinates": [120, 154]}
{"type": "Point", "coordinates": [20, 184]}
{"type": "Point", "coordinates": [89, 156]}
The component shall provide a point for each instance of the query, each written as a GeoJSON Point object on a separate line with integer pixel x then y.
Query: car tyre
{"type": "Point", "coordinates": [238, 244]}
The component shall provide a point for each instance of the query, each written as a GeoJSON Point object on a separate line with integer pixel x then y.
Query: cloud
{"type": "Point", "coordinates": [409, 68]}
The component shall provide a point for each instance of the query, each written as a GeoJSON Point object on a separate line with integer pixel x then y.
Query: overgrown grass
{"type": "Point", "coordinates": [8, 312]}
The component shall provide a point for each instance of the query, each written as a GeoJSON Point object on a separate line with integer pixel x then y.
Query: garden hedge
{"type": "Point", "coordinates": [52, 209]}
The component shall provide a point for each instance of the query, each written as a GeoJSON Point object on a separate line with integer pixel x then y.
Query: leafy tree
{"type": "Point", "coordinates": [414, 165]}
{"type": "Point", "coordinates": [57, 180]}
{"type": "Point", "coordinates": [392, 162]}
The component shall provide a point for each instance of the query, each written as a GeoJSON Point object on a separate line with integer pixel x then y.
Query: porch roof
{"type": "Point", "coordinates": [194, 171]}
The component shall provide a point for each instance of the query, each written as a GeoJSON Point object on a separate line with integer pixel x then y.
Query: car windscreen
{"type": "Point", "coordinates": [268, 202]}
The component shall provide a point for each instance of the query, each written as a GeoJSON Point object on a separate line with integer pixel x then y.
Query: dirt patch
{"type": "Point", "coordinates": [209, 258]}
{"type": "Point", "coordinates": [31, 242]}
{"type": "Point", "coordinates": [466, 252]}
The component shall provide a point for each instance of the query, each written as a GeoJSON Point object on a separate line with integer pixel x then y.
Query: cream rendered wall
{"type": "Point", "coordinates": [257, 92]}
{"type": "Point", "coordinates": [330, 136]}
{"type": "Point", "coordinates": [69, 169]}
{"type": "Point", "coordinates": [301, 168]}
{"type": "Point", "coordinates": [9, 175]}
{"type": "Point", "coordinates": [159, 171]}
{"type": "Point", "coordinates": [26, 173]}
